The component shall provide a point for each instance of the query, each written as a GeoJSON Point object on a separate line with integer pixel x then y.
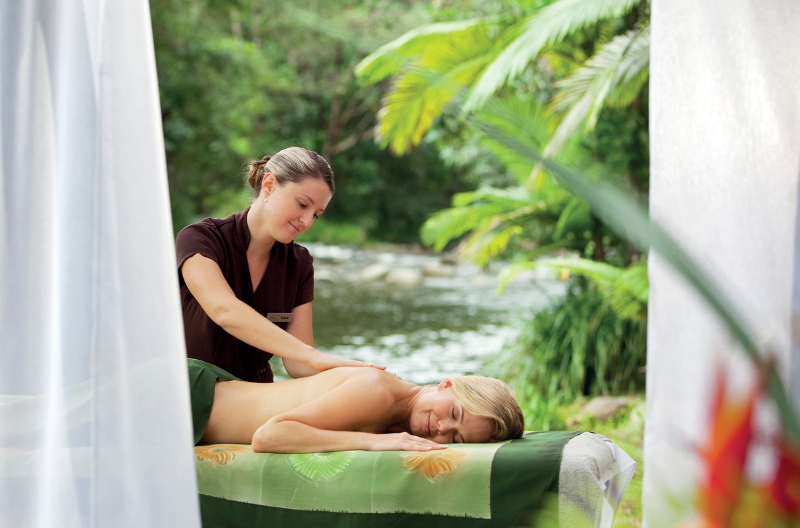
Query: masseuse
{"type": "Point", "coordinates": [246, 287]}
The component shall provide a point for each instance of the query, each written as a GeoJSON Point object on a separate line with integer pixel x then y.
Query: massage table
{"type": "Point", "coordinates": [545, 479]}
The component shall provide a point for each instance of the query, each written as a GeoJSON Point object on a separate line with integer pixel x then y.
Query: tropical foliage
{"type": "Point", "coordinates": [442, 61]}
{"type": "Point", "coordinates": [564, 77]}
{"type": "Point", "coordinates": [239, 79]}
{"type": "Point", "coordinates": [579, 345]}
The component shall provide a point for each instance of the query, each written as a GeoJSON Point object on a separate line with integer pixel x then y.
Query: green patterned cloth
{"type": "Point", "coordinates": [479, 484]}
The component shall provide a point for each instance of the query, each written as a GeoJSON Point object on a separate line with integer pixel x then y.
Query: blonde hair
{"type": "Point", "coordinates": [492, 399]}
{"type": "Point", "coordinates": [293, 164]}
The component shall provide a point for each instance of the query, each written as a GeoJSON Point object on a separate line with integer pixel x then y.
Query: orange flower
{"type": "Point", "coordinates": [435, 464]}
{"type": "Point", "coordinates": [726, 453]}
{"type": "Point", "coordinates": [222, 454]}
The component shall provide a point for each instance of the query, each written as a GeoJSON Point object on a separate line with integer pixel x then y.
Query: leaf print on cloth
{"type": "Point", "coordinates": [222, 454]}
{"type": "Point", "coordinates": [321, 466]}
{"type": "Point", "coordinates": [435, 464]}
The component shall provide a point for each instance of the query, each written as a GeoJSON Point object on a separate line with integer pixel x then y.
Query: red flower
{"type": "Point", "coordinates": [784, 491]}
{"type": "Point", "coordinates": [726, 453]}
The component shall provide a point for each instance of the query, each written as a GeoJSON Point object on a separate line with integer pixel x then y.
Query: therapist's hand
{"type": "Point", "coordinates": [322, 361]}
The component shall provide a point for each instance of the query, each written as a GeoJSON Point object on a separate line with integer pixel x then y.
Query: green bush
{"type": "Point", "coordinates": [577, 347]}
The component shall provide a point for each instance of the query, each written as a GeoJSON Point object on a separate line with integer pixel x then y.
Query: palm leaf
{"type": "Point", "coordinates": [519, 116]}
{"type": "Point", "coordinates": [526, 39]}
{"type": "Point", "coordinates": [449, 224]}
{"type": "Point", "coordinates": [488, 242]}
{"type": "Point", "coordinates": [390, 58]}
{"type": "Point", "coordinates": [492, 218]}
{"type": "Point", "coordinates": [616, 73]}
{"type": "Point", "coordinates": [424, 87]}
{"type": "Point", "coordinates": [513, 197]}
{"type": "Point", "coordinates": [526, 117]}
{"type": "Point", "coordinates": [576, 214]}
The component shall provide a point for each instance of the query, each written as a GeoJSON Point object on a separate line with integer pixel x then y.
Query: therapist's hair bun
{"type": "Point", "coordinates": [293, 164]}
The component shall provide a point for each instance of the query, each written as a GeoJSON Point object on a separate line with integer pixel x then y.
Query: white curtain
{"type": "Point", "coordinates": [95, 427]}
{"type": "Point", "coordinates": [725, 163]}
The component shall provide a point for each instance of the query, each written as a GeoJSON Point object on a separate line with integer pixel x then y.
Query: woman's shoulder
{"type": "Point", "coordinates": [369, 376]}
{"type": "Point", "coordinates": [209, 226]}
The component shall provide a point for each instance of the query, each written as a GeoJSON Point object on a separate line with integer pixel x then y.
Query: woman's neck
{"type": "Point", "coordinates": [261, 241]}
{"type": "Point", "coordinates": [404, 407]}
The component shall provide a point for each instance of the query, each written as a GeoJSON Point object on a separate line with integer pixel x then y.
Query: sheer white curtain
{"type": "Point", "coordinates": [725, 163]}
{"type": "Point", "coordinates": [95, 427]}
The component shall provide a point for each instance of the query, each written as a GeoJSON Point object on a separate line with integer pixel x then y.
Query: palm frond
{"type": "Point", "coordinates": [515, 115]}
{"type": "Point", "coordinates": [521, 116]}
{"type": "Point", "coordinates": [488, 242]}
{"type": "Point", "coordinates": [525, 40]}
{"type": "Point", "coordinates": [616, 73]}
{"type": "Point", "coordinates": [450, 224]}
{"type": "Point", "coordinates": [425, 86]}
{"type": "Point", "coordinates": [575, 215]}
{"type": "Point", "coordinates": [512, 197]}
{"type": "Point", "coordinates": [390, 58]}
{"type": "Point", "coordinates": [633, 71]}
{"type": "Point", "coordinates": [492, 217]}
{"type": "Point", "coordinates": [625, 289]}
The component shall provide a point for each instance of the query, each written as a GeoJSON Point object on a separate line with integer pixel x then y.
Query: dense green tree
{"type": "Point", "coordinates": [244, 78]}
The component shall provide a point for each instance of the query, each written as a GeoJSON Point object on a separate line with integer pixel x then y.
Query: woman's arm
{"type": "Point", "coordinates": [302, 328]}
{"type": "Point", "coordinates": [336, 420]}
{"type": "Point", "coordinates": [209, 287]}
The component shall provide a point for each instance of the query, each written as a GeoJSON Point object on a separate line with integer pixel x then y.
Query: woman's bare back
{"type": "Point", "coordinates": [240, 407]}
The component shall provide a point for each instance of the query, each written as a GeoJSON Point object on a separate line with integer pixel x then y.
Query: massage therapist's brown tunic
{"type": "Point", "coordinates": [288, 282]}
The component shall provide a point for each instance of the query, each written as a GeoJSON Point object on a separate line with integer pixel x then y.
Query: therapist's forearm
{"type": "Point", "coordinates": [298, 370]}
{"type": "Point", "coordinates": [245, 324]}
{"type": "Point", "coordinates": [302, 328]}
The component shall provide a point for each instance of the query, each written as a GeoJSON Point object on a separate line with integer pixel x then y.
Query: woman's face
{"type": "Point", "coordinates": [440, 416]}
{"type": "Point", "coordinates": [291, 208]}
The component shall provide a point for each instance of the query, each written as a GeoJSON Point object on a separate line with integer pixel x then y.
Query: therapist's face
{"type": "Point", "coordinates": [291, 208]}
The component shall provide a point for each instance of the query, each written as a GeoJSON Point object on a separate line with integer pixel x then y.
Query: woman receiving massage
{"type": "Point", "coordinates": [349, 408]}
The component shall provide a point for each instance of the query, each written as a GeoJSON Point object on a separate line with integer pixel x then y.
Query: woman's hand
{"type": "Point", "coordinates": [322, 361]}
{"type": "Point", "coordinates": [403, 442]}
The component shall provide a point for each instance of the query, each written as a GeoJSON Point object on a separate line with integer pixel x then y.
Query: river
{"type": "Point", "coordinates": [422, 317]}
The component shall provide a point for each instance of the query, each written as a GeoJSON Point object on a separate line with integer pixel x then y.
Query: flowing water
{"type": "Point", "coordinates": [444, 320]}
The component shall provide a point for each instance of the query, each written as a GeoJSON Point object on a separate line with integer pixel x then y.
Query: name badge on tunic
{"type": "Point", "coordinates": [280, 317]}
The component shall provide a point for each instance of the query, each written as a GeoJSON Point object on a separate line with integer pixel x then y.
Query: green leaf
{"type": "Point", "coordinates": [426, 85]}
{"type": "Point", "coordinates": [616, 73]}
{"type": "Point", "coordinates": [489, 242]}
{"type": "Point", "coordinates": [449, 224]}
{"type": "Point", "coordinates": [526, 117]}
{"type": "Point", "coordinates": [390, 58]}
{"type": "Point", "coordinates": [546, 26]}
{"type": "Point", "coordinates": [576, 215]}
